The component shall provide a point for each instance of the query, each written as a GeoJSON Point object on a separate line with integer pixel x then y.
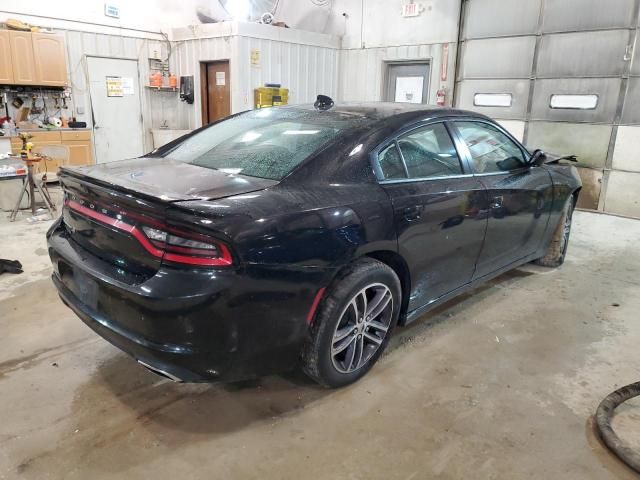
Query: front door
{"type": "Point", "coordinates": [407, 83]}
{"type": "Point", "coordinates": [438, 210]}
{"type": "Point", "coordinates": [115, 103]}
{"type": "Point", "coordinates": [519, 196]}
{"type": "Point", "coordinates": [216, 91]}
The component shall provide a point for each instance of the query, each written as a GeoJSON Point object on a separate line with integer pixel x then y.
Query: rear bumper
{"type": "Point", "coordinates": [189, 324]}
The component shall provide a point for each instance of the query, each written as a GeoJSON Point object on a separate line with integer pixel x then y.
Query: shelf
{"type": "Point", "coordinates": [162, 89]}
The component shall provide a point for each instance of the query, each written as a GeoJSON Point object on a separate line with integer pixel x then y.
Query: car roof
{"type": "Point", "coordinates": [380, 111]}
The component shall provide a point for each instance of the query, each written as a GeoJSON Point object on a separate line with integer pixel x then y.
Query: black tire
{"type": "Point", "coordinates": [339, 308]}
{"type": "Point", "coordinates": [554, 256]}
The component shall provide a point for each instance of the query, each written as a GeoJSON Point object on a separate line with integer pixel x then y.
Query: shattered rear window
{"type": "Point", "coordinates": [267, 143]}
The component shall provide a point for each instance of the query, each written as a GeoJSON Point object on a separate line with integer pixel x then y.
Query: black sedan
{"type": "Point", "coordinates": [301, 236]}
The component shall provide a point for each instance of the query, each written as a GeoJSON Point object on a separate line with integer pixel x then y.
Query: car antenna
{"type": "Point", "coordinates": [323, 102]}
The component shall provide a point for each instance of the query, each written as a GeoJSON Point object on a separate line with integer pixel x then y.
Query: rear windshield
{"type": "Point", "coordinates": [266, 143]}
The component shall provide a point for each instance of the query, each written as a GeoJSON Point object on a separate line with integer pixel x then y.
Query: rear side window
{"type": "Point", "coordinates": [491, 150]}
{"type": "Point", "coordinates": [429, 152]}
{"type": "Point", "coordinates": [266, 143]}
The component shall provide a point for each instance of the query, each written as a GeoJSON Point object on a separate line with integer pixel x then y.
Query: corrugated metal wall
{"type": "Point", "coordinates": [306, 70]}
{"type": "Point", "coordinates": [362, 70]}
{"type": "Point", "coordinates": [82, 44]}
{"type": "Point", "coordinates": [533, 49]}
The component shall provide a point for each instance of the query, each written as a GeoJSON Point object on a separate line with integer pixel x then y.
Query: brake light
{"type": "Point", "coordinates": [172, 245]}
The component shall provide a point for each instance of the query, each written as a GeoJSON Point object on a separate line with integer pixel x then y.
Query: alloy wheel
{"type": "Point", "coordinates": [362, 328]}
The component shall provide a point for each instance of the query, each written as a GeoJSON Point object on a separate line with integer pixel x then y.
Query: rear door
{"type": "Point", "coordinates": [438, 209]}
{"type": "Point", "coordinates": [519, 195]}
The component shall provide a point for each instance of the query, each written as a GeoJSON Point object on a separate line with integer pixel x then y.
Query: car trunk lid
{"type": "Point", "coordinates": [118, 213]}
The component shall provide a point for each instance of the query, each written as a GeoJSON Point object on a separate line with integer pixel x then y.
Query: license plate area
{"type": "Point", "coordinates": [83, 286]}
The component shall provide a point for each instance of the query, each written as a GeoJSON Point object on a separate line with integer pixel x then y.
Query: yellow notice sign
{"type": "Point", "coordinates": [255, 58]}
{"type": "Point", "coordinates": [114, 87]}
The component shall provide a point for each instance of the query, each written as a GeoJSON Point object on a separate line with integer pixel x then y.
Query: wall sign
{"type": "Point", "coordinates": [255, 58]}
{"type": "Point", "coordinates": [410, 10]}
{"type": "Point", "coordinates": [114, 87]}
{"type": "Point", "coordinates": [111, 10]}
{"type": "Point", "coordinates": [409, 89]}
{"type": "Point", "coordinates": [221, 79]}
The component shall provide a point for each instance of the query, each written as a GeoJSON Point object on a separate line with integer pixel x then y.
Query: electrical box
{"type": "Point", "coordinates": [156, 51]}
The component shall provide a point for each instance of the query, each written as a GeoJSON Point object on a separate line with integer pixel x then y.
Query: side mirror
{"type": "Point", "coordinates": [538, 158]}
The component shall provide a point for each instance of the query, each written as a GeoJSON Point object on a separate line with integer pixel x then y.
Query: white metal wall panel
{"type": "Point", "coordinates": [187, 55]}
{"type": "Point", "coordinates": [81, 44]}
{"type": "Point", "coordinates": [607, 90]}
{"type": "Point", "coordinates": [498, 57]}
{"type": "Point", "coordinates": [305, 70]}
{"type": "Point", "coordinates": [385, 26]}
{"type": "Point", "coordinates": [519, 90]}
{"type": "Point", "coordinates": [631, 108]}
{"type": "Point", "coordinates": [497, 18]}
{"type": "Point", "coordinates": [362, 71]}
{"type": "Point", "coordinates": [572, 15]}
{"type": "Point", "coordinates": [635, 64]}
{"type": "Point", "coordinates": [589, 142]}
{"type": "Point", "coordinates": [626, 155]}
{"type": "Point", "coordinates": [622, 194]}
{"type": "Point", "coordinates": [514, 127]}
{"type": "Point", "coordinates": [584, 54]}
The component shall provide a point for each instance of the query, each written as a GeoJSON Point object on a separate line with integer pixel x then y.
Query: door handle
{"type": "Point", "coordinates": [496, 202]}
{"type": "Point", "coordinates": [411, 214]}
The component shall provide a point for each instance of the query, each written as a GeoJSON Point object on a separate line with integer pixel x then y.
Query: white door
{"type": "Point", "coordinates": [115, 100]}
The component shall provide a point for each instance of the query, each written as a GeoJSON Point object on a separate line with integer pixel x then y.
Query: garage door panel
{"type": "Point", "coordinates": [622, 194]}
{"type": "Point", "coordinates": [631, 108]}
{"type": "Point", "coordinates": [494, 18]}
{"type": "Point", "coordinates": [588, 54]}
{"type": "Point", "coordinates": [518, 90]}
{"type": "Point", "coordinates": [607, 91]}
{"type": "Point", "coordinates": [498, 58]}
{"type": "Point", "coordinates": [571, 15]}
{"type": "Point", "coordinates": [591, 188]}
{"type": "Point", "coordinates": [589, 142]}
{"type": "Point", "coordinates": [626, 154]}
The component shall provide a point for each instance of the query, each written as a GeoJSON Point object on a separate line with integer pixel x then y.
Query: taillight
{"type": "Point", "coordinates": [172, 245]}
{"type": "Point", "coordinates": [181, 249]}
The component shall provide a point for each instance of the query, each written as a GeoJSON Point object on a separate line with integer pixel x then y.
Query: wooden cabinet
{"type": "Point", "coordinates": [78, 142]}
{"type": "Point", "coordinates": [6, 65]}
{"type": "Point", "coordinates": [32, 59]}
{"type": "Point", "coordinates": [80, 152]}
{"type": "Point", "coordinates": [24, 69]}
{"type": "Point", "coordinates": [50, 60]}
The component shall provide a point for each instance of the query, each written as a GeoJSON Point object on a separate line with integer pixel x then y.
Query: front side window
{"type": "Point", "coordinates": [391, 163]}
{"type": "Point", "coordinates": [429, 152]}
{"type": "Point", "coordinates": [491, 150]}
{"type": "Point", "coordinates": [267, 143]}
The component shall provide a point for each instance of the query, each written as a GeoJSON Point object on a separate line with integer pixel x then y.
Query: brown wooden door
{"type": "Point", "coordinates": [50, 60]}
{"type": "Point", "coordinates": [218, 92]}
{"type": "Point", "coordinates": [6, 67]}
{"type": "Point", "coordinates": [24, 72]}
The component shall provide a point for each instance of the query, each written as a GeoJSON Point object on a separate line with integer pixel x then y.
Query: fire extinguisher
{"type": "Point", "coordinates": [441, 96]}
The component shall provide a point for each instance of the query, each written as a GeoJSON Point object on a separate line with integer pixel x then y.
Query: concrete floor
{"type": "Point", "coordinates": [500, 384]}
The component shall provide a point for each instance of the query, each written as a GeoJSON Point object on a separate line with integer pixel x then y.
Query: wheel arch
{"type": "Point", "coordinates": [397, 263]}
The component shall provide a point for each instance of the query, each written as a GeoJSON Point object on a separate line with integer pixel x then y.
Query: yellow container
{"type": "Point", "coordinates": [264, 96]}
